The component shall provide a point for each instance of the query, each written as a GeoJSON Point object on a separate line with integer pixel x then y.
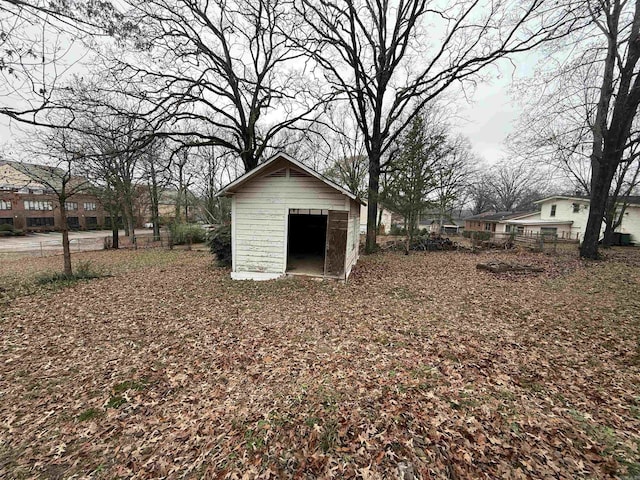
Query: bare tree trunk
{"type": "Point", "coordinates": [600, 185]}
{"type": "Point", "coordinates": [372, 208]}
{"type": "Point", "coordinates": [66, 250]}
{"type": "Point", "coordinates": [155, 219]}
{"type": "Point", "coordinates": [155, 210]}
{"type": "Point", "coordinates": [410, 231]}
{"type": "Point", "coordinates": [115, 239]}
{"type": "Point", "coordinates": [609, 221]}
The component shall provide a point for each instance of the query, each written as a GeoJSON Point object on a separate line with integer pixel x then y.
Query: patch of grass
{"type": "Point", "coordinates": [122, 387]}
{"type": "Point", "coordinates": [254, 439]}
{"type": "Point", "coordinates": [311, 421]}
{"type": "Point", "coordinates": [329, 436]}
{"type": "Point", "coordinates": [116, 401]}
{"type": "Point", "coordinates": [89, 414]}
{"type": "Point", "coordinates": [329, 400]}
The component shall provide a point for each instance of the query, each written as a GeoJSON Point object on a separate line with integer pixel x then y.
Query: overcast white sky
{"type": "Point", "coordinates": [488, 120]}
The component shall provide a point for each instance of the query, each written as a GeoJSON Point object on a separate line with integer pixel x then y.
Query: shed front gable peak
{"type": "Point", "coordinates": [282, 165]}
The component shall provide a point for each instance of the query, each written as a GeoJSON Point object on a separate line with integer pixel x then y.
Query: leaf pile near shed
{"type": "Point", "coordinates": [172, 370]}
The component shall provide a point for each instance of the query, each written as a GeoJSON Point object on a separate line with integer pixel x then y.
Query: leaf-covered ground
{"type": "Point", "coordinates": [168, 369]}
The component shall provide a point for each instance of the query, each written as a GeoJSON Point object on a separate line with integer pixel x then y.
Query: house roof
{"type": "Point", "coordinates": [629, 199]}
{"type": "Point", "coordinates": [45, 176]}
{"type": "Point", "coordinates": [233, 187]}
{"type": "Point", "coordinates": [37, 173]}
{"type": "Point", "coordinates": [540, 222]}
{"type": "Point", "coordinates": [500, 216]}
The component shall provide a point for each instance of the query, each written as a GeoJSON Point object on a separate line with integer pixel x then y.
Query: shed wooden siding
{"type": "Point", "coordinates": [260, 213]}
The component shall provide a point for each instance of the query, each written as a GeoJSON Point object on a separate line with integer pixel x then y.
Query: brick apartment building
{"type": "Point", "coordinates": [30, 206]}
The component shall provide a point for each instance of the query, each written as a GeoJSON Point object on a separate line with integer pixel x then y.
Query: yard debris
{"type": "Point", "coordinates": [423, 243]}
{"type": "Point", "coordinates": [504, 267]}
{"type": "Point", "coordinates": [503, 244]}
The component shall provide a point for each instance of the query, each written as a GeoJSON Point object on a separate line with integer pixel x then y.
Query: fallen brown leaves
{"type": "Point", "coordinates": [172, 370]}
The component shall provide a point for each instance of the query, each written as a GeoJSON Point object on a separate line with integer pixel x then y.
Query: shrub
{"type": "Point", "coordinates": [182, 233]}
{"type": "Point", "coordinates": [8, 230]}
{"type": "Point", "coordinates": [220, 245]}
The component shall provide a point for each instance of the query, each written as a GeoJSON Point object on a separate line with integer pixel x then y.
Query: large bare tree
{"type": "Point", "coordinates": [390, 58]}
{"type": "Point", "coordinates": [40, 42]}
{"type": "Point", "coordinates": [618, 23]}
{"type": "Point", "coordinates": [585, 122]}
{"type": "Point", "coordinates": [215, 73]}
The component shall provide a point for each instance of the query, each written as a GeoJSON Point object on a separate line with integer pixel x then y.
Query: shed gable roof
{"type": "Point", "coordinates": [237, 184]}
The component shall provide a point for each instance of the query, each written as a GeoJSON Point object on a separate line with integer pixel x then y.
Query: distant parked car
{"type": "Point", "coordinates": [148, 225]}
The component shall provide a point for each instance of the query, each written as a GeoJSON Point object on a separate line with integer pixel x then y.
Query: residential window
{"type": "Point", "coordinates": [487, 227]}
{"type": "Point", "coordinates": [92, 221]}
{"type": "Point", "coordinates": [70, 206]}
{"type": "Point", "coordinates": [40, 222]}
{"type": "Point", "coordinates": [6, 221]}
{"type": "Point", "coordinates": [73, 222]}
{"type": "Point", "coordinates": [5, 205]}
{"type": "Point", "coordinates": [507, 228]}
{"type": "Point", "coordinates": [553, 210]}
{"type": "Point", "coordinates": [38, 205]}
{"type": "Point", "coordinates": [549, 231]}
{"type": "Point", "coordinates": [89, 206]}
{"type": "Point", "coordinates": [576, 208]}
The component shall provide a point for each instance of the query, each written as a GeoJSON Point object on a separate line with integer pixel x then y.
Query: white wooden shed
{"type": "Point", "coordinates": [286, 218]}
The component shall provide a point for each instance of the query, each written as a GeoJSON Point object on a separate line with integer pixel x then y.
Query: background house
{"type": "Point", "coordinates": [567, 217]}
{"type": "Point", "coordinates": [494, 222]}
{"type": "Point", "coordinates": [29, 205]}
{"type": "Point", "coordinates": [562, 216]}
{"type": "Point", "coordinates": [386, 219]}
{"type": "Point", "coordinates": [288, 219]}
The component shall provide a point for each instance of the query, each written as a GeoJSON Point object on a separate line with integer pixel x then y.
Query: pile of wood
{"type": "Point", "coordinates": [503, 267]}
{"type": "Point", "coordinates": [424, 243]}
{"type": "Point", "coordinates": [505, 244]}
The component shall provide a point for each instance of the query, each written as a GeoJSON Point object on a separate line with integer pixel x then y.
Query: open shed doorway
{"type": "Point", "coordinates": [307, 241]}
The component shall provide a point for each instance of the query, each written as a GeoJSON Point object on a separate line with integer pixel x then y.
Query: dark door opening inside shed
{"type": "Point", "coordinates": [307, 242]}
